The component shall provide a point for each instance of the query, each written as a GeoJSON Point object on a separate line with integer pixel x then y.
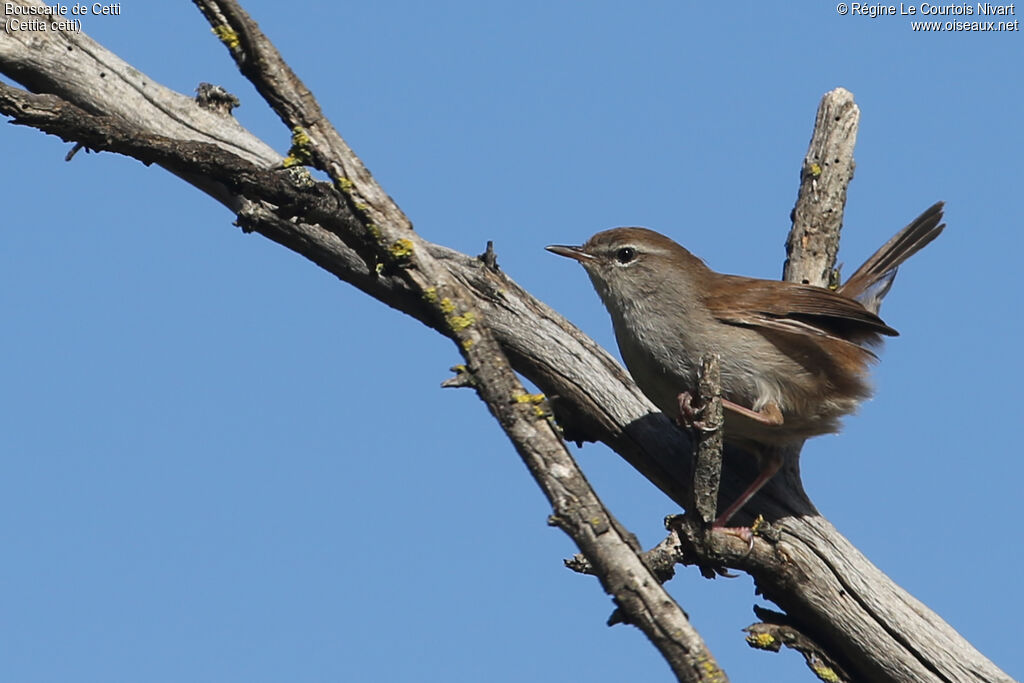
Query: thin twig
{"type": "Point", "coordinates": [707, 465]}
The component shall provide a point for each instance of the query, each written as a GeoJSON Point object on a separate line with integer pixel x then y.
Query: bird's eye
{"type": "Point", "coordinates": [625, 254]}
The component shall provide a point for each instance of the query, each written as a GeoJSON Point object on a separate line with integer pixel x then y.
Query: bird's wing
{"type": "Point", "coordinates": [798, 309]}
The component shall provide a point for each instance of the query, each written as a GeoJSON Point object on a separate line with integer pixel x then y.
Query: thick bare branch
{"type": "Point", "coordinates": [577, 508]}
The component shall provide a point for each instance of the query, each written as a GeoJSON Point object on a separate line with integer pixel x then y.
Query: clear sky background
{"type": "Point", "coordinates": [218, 463]}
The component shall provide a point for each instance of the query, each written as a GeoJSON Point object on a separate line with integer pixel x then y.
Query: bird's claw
{"type": "Point", "coordinates": [744, 533]}
{"type": "Point", "coordinates": [689, 415]}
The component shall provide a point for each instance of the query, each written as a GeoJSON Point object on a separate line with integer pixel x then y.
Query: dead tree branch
{"type": "Point", "coordinates": [830, 593]}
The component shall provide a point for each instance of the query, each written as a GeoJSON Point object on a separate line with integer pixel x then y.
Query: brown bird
{"type": "Point", "coordinates": [793, 357]}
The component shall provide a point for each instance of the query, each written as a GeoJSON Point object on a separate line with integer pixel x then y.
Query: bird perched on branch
{"type": "Point", "coordinates": [794, 358]}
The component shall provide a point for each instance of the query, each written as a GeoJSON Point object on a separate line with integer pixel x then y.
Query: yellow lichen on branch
{"type": "Point", "coordinates": [227, 36]}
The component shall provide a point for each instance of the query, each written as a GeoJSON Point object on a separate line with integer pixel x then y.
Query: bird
{"type": "Point", "coordinates": [793, 357]}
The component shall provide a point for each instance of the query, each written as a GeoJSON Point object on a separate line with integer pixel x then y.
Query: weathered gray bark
{"type": "Point", "coordinates": [861, 621]}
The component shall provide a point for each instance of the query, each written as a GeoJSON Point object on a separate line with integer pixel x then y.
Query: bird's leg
{"type": "Point", "coordinates": [769, 458]}
{"type": "Point", "coordinates": [769, 462]}
{"type": "Point", "coordinates": [770, 414]}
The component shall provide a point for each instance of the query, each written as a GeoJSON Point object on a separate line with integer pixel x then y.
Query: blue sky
{"type": "Point", "coordinates": [221, 464]}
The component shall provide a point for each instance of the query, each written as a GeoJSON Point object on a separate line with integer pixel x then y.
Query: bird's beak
{"type": "Point", "coordinates": [576, 253]}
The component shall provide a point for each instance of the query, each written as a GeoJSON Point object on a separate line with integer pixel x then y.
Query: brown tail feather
{"type": "Point", "coordinates": [879, 270]}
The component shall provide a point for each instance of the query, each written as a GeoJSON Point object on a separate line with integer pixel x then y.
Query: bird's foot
{"type": "Point", "coordinates": [744, 533]}
{"type": "Point", "coordinates": [692, 416]}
